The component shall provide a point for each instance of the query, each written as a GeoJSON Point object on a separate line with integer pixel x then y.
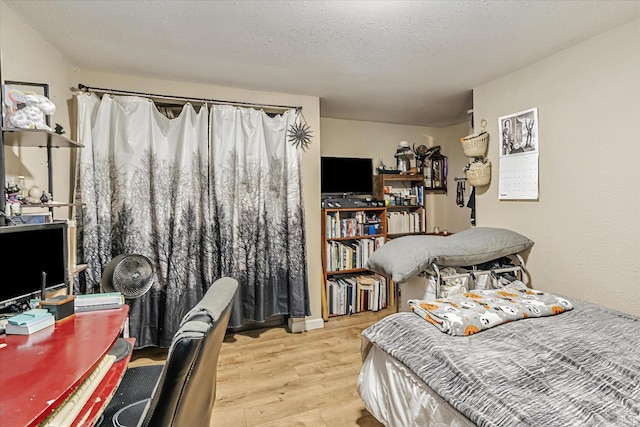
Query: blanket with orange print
{"type": "Point", "coordinates": [477, 310]}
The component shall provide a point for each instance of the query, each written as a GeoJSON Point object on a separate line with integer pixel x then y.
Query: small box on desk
{"type": "Point", "coordinates": [61, 306]}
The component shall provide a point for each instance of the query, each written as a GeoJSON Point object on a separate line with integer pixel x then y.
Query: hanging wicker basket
{"type": "Point", "coordinates": [478, 173]}
{"type": "Point", "coordinates": [476, 145]}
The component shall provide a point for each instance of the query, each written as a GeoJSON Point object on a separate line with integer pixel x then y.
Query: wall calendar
{"type": "Point", "coordinates": [519, 150]}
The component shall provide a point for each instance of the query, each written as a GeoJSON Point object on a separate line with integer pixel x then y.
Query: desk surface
{"type": "Point", "coordinates": [38, 371]}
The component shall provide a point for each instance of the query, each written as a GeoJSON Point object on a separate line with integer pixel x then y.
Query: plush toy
{"type": "Point", "coordinates": [29, 112]}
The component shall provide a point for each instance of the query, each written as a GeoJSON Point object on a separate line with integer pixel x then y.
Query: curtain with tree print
{"type": "Point", "coordinates": [257, 193]}
{"type": "Point", "coordinates": [155, 186]}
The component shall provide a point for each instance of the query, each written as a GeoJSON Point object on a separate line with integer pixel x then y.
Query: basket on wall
{"type": "Point", "coordinates": [478, 173]}
{"type": "Point", "coordinates": [475, 145]}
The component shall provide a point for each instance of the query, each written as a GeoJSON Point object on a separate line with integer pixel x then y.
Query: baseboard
{"type": "Point", "coordinates": [248, 325]}
{"type": "Point", "coordinates": [298, 326]}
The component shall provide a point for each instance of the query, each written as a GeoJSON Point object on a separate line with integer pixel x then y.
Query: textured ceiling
{"type": "Point", "coordinates": [405, 62]}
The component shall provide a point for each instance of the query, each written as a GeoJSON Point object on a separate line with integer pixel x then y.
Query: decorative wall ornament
{"type": "Point", "coordinates": [421, 154]}
{"type": "Point", "coordinates": [300, 132]}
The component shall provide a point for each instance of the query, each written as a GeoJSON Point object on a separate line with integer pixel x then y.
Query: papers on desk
{"type": "Point", "coordinates": [29, 322]}
{"type": "Point", "coordinates": [101, 301]}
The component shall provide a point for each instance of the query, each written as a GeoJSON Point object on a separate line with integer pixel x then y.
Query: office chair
{"type": "Point", "coordinates": [183, 391]}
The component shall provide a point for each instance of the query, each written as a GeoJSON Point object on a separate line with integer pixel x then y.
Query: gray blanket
{"type": "Point", "coordinates": [579, 368]}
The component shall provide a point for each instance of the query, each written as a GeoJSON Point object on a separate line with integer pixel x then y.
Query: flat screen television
{"type": "Point", "coordinates": [344, 176]}
{"type": "Point", "coordinates": [28, 251]}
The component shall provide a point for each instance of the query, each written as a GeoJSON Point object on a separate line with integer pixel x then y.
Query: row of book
{"type": "Point", "coordinates": [404, 222]}
{"type": "Point", "coordinates": [361, 224]}
{"type": "Point", "coordinates": [347, 255]}
{"type": "Point", "coordinates": [352, 294]}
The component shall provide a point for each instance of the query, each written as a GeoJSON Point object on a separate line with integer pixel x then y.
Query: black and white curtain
{"type": "Point", "coordinates": [210, 193]}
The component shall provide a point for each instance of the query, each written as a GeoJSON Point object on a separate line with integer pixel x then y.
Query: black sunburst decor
{"type": "Point", "coordinates": [300, 135]}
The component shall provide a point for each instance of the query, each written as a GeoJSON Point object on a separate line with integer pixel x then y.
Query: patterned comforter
{"type": "Point", "coordinates": [474, 311]}
{"type": "Point", "coordinates": [579, 368]}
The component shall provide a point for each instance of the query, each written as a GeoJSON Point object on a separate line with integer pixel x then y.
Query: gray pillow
{"type": "Point", "coordinates": [403, 258]}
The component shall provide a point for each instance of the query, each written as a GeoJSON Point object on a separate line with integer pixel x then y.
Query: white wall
{"type": "Point", "coordinates": [585, 223]}
{"type": "Point", "coordinates": [351, 138]}
{"type": "Point", "coordinates": [447, 214]}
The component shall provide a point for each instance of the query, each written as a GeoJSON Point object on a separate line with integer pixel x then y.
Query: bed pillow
{"type": "Point", "coordinates": [403, 258]}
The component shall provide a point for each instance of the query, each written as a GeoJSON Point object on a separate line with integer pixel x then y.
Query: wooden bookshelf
{"type": "Point", "coordinates": [406, 214]}
{"type": "Point", "coordinates": [349, 236]}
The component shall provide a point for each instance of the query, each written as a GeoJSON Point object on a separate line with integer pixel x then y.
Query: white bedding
{"type": "Point", "coordinates": [395, 396]}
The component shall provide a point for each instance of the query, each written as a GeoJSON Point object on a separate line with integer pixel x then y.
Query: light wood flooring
{"type": "Point", "coordinates": [270, 377]}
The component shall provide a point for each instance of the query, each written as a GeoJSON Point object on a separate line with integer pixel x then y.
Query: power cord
{"type": "Point", "coordinates": [8, 219]}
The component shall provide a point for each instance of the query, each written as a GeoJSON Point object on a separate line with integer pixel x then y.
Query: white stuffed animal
{"type": "Point", "coordinates": [41, 102]}
{"type": "Point", "coordinates": [33, 114]}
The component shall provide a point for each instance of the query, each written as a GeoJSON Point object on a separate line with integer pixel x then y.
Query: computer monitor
{"type": "Point", "coordinates": [28, 251]}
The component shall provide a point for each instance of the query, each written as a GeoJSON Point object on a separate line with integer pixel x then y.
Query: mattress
{"type": "Point", "coordinates": [395, 396]}
{"type": "Point", "coordinates": [581, 367]}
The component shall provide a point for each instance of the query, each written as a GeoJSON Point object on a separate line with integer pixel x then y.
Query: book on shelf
{"type": "Point", "coordinates": [359, 225]}
{"type": "Point", "coordinates": [351, 294]}
{"type": "Point", "coordinates": [404, 222]}
{"type": "Point", "coordinates": [29, 322]}
{"type": "Point", "coordinates": [346, 255]}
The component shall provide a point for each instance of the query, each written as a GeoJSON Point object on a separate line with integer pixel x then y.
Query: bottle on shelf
{"type": "Point", "coordinates": [23, 187]}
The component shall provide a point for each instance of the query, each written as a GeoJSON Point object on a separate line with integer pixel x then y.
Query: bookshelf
{"type": "Point", "coordinates": [28, 138]}
{"type": "Point", "coordinates": [406, 208]}
{"type": "Point", "coordinates": [349, 236]}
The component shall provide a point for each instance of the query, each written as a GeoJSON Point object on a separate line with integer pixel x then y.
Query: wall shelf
{"type": "Point", "coordinates": [400, 177]}
{"type": "Point", "coordinates": [402, 220]}
{"type": "Point", "coordinates": [50, 205]}
{"type": "Point", "coordinates": [38, 138]}
{"type": "Point", "coordinates": [42, 138]}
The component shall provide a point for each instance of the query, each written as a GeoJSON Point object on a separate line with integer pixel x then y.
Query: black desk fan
{"type": "Point", "coordinates": [132, 276]}
{"type": "Point", "coordinates": [129, 274]}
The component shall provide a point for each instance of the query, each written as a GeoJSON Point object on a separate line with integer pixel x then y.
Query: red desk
{"type": "Point", "coordinates": [38, 371]}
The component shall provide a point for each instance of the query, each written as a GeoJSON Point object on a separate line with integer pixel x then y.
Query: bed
{"type": "Point", "coordinates": [579, 367]}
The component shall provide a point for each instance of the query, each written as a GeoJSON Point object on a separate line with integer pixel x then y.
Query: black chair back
{"type": "Point", "coordinates": [183, 391]}
{"type": "Point", "coordinates": [186, 391]}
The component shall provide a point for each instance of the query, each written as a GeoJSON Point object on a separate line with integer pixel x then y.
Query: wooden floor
{"type": "Point", "coordinates": [270, 377]}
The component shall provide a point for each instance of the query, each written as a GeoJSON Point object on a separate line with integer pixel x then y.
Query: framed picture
{"type": "Point", "coordinates": [519, 153]}
{"type": "Point", "coordinates": [24, 108]}
{"type": "Point", "coordinates": [519, 133]}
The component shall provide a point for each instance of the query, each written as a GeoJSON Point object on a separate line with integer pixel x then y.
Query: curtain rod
{"type": "Point", "coordinates": [185, 98]}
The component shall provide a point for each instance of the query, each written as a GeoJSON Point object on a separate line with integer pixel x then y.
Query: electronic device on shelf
{"type": "Point", "coordinates": [346, 176]}
{"type": "Point", "coordinates": [35, 260]}
{"type": "Point", "coordinates": [338, 203]}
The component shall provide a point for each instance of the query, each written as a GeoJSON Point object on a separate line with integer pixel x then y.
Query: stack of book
{"type": "Point", "coordinates": [29, 322]}
{"type": "Point", "coordinates": [101, 301]}
{"type": "Point", "coordinates": [353, 294]}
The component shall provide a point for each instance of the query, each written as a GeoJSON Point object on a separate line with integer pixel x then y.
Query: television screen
{"type": "Point", "coordinates": [31, 250]}
{"type": "Point", "coordinates": [346, 175]}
